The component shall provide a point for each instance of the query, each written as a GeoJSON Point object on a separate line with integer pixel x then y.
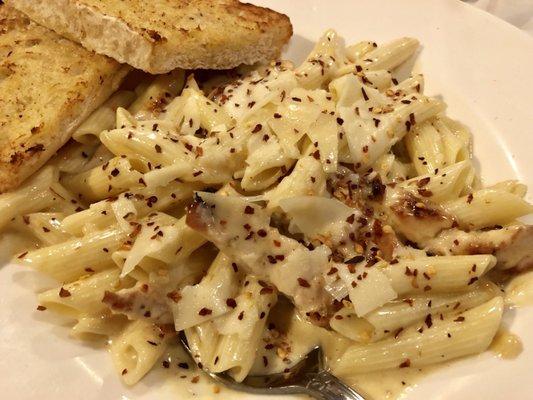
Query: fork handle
{"type": "Point", "coordinates": [325, 386]}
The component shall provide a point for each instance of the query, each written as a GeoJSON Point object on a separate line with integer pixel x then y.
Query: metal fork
{"type": "Point", "coordinates": [309, 377]}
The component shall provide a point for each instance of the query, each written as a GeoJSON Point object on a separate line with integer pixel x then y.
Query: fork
{"type": "Point", "coordinates": [308, 377]}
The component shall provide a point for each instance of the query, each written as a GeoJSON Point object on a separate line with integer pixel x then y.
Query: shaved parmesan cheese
{"type": "Point", "coordinates": [368, 288]}
{"type": "Point", "coordinates": [315, 216]}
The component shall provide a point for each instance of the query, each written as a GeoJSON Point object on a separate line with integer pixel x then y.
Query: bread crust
{"type": "Point", "coordinates": [49, 85]}
{"type": "Point", "coordinates": [161, 36]}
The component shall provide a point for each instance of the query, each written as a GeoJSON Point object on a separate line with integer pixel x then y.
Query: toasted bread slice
{"type": "Point", "coordinates": [160, 36]}
{"type": "Point", "coordinates": [48, 86]}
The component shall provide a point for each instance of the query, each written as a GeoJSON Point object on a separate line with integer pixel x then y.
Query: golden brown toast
{"type": "Point", "coordinates": [48, 86]}
{"type": "Point", "coordinates": [160, 36]}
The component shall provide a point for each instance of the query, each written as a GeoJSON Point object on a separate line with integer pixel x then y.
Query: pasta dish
{"type": "Point", "coordinates": [241, 207]}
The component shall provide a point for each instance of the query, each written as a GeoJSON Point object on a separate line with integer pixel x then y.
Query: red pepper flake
{"type": "Point", "coordinates": [425, 192]}
{"type": "Point", "coordinates": [88, 269]}
{"type": "Point", "coordinates": [240, 316]}
{"type": "Point", "coordinates": [351, 219]}
{"type": "Point", "coordinates": [249, 210]}
{"type": "Point", "coordinates": [423, 182]}
{"type": "Point", "coordinates": [166, 364]}
{"type": "Point", "coordinates": [428, 321]}
{"type": "Point", "coordinates": [338, 317]}
{"type": "Point", "coordinates": [22, 255]}
{"type": "Point", "coordinates": [271, 259]}
{"type": "Point", "coordinates": [115, 172]}
{"type": "Point", "coordinates": [231, 303]}
{"type": "Point", "coordinates": [195, 379]}
{"type": "Point", "coordinates": [124, 371]}
{"type": "Point", "coordinates": [174, 296]}
{"type": "Point", "coordinates": [280, 257]}
{"type": "Point", "coordinates": [41, 308]}
{"type": "Point", "coordinates": [470, 198]}
{"type": "Point", "coordinates": [205, 311]}
{"type": "Point", "coordinates": [269, 346]}
{"type": "Point", "coordinates": [277, 243]}
{"type": "Point", "coordinates": [277, 116]}
{"type": "Point", "coordinates": [151, 343]}
{"type": "Point", "coordinates": [250, 235]}
{"type": "Point", "coordinates": [340, 121]}
{"type": "Point", "coordinates": [426, 288]}
{"type": "Point", "coordinates": [64, 292]}
{"type": "Point", "coordinates": [459, 319]}
{"type": "Point", "coordinates": [316, 155]}
{"type": "Point", "coordinates": [257, 128]}
{"type": "Point", "coordinates": [262, 232]}
{"type": "Point", "coordinates": [412, 119]}
{"type": "Point", "coordinates": [184, 365]}
{"type": "Point", "coordinates": [406, 363]}
{"type": "Point", "coordinates": [158, 148]}
{"type": "Point", "coordinates": [397, 333]}
{"type": "Point", "coordinates": [262, 315]}
{"type": "Point", "coordinates": [266, 290]}
{"type": "Point", "coordinates": [235, 267]}
{"type": "Point", "coordinates": [365, 96]}
{"type": "Point", "coordinates": [303, 283]}
{"type": "Point", "coordinates": [472, 280]}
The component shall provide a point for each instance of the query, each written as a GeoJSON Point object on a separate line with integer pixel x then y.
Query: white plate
{"type": "Point", "coordinates": [483, 69]}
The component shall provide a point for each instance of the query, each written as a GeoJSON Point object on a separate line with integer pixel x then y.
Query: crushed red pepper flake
{"type": "Point", "coordinates": [405, 364]}
{"type": "Point", "coordinates": [472, 280]}
{"type": "Point", "coordinates": [231, 303]}
{"type": "Point", "coordinates": [249, 210]}
{"type": "Point", "coordinates": [428, 321]}
{"type": "Point", "coordinates": [303, 283]}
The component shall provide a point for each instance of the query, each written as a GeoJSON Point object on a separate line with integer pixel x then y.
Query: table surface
{"type": "Point", "coordinates": [516, 12]}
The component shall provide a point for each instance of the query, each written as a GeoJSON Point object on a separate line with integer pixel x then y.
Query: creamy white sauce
{"type": "Point", "coordinates": [506, 345]}
{"type": "Point", "coordinates": [519, 290]}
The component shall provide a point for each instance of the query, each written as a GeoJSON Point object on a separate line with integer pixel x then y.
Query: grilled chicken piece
{"type": "Point", "coordinates": [512, 245]}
